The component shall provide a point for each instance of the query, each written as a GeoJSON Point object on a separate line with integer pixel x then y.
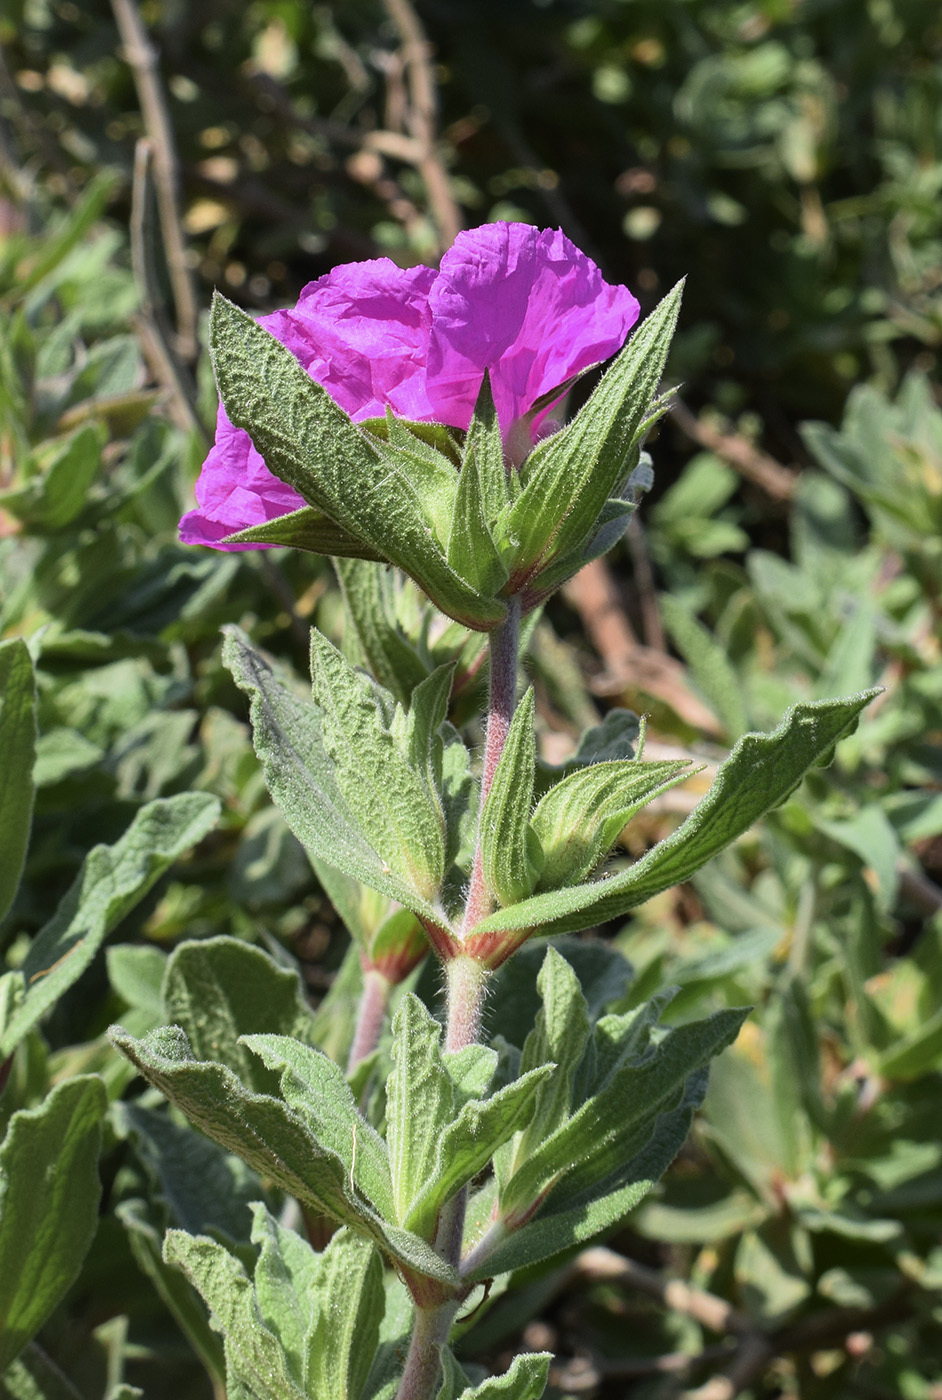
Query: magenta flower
{"type": "Point", "coordinates": [522, 303]}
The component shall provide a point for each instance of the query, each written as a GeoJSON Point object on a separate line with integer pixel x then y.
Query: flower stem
{"type": "Point", "coordinates": [504, 644]}
{"type": "Point", "coordinates": [371, 1014]}
{"type": "Point", "coordinates": [465, 980]}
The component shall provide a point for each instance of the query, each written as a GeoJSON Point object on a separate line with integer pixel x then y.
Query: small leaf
{"type": "Point", "coordinates": [508, 847]}
{"type": "Point", "coordinates": [525, 1380]}
{"type": "Point", "coordinates": [317, 1090]}
{"type": "Point", "coordinates": [395, 806]}
{"type": "Point", "coordinates": [112, 880]}
{"type": "Point", "coordinates": [708, 663]}
{"type": "Point", "coordinates": [373, 636]}
{"type": "Point", "coordinates": [579, 820]}
{"type": "Point", "coordinates": [419, 1102]}
{"type": "Point", "coordinates": [17, 752]}
{"type": "Point", "coordinates": [49, 1194]}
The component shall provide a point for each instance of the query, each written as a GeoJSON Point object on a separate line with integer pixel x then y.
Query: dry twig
{"type": "Point", "coordinates": [776, 481]}
{"type": "Point", "coordinates": [142, 60]}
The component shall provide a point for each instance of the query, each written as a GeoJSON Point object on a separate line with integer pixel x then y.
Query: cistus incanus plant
{"type": "Point", "coordinates": [404, 417]}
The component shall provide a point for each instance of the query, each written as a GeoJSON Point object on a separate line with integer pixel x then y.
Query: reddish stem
{"type": "Point", "coordinates": [370, 1016]}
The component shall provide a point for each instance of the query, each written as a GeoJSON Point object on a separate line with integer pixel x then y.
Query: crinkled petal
{"type": "Point", "coordinates": [525, 304]}
{"type": "Point", "coordinates": [362, 331]}
{"type": "Point", "coordinates": [235, 490]}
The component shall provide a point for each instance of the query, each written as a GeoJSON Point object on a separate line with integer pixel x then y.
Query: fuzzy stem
{"type": "Point", "coordinates": [371, 1014]}
{"type": "Point", "coordinates": [420, 1378]}
{"type": "Point", "coordinates": [466, 980]}
{"type": "Point", "coordinates": [504, 643]}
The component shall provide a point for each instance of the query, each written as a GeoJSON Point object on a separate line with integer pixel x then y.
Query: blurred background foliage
{"type": "Point", "coordinates": [784, 155]}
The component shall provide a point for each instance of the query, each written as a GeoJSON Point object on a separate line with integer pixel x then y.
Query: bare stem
{"type": "Point", "coordinates": [466, 982]}
{"type": "Point", "coordinates": [371, 1014]}
{"type": "Point", "coordinates": [423, 1365]}
{"type": "Point", "coordinates": [505, 641]}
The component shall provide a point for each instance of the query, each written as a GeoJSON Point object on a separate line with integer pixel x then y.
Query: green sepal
{"type": "Point", "coordinates": [472, 551]}
{"type": "Point", "coordinates": [111, 881]}
{"type": "Point", "coordinates": [377, 750]}
{"type": "Point", "coordinates": [367, 487]}
{"type": "Point", "coordinates": [580, 819]}
{"type": "Point", "coordinates": [49, 1195]}
{"type": "Point", "coordinates": [571, 476]}
{"type": "Point", "coordinates": [17, 754]}
{"type": "Point", "coordinates": [483, 444]}
{"type": "Point", "coordinates": [761, 772]}
{"type": "Point", "coordinates": [510, 850]}
{"type": "Point", "coordinates": [309, 529]}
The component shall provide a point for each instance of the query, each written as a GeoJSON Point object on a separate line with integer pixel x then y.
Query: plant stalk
{"type": "Point", "coordinates": [420, 1378]}
{"type": "Point", "coordinates": [502, 695]}
{"type": "Point", "coordinates": [374, 1002]}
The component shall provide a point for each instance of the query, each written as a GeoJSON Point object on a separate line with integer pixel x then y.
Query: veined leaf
{"type": "Point", "coordinates": [419, 1102]}
{"type": "Point", "coordinates": [761, 771]}
{"type": "Point", "coordinates": [49, 1194]}
{"type": "Point", "coordinates": [395, 806]}
{"type": "Point", "coordinates": [289, 740]}
{"type": "Point", "coordinates": [310, 529]}
{"type": "Point", "coordinates": [580, 819]}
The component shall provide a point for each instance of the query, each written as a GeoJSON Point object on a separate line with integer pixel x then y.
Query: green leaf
{"type": "Point", "coordinates": [367, 487]}
{"type": "Point", "coordinates": [555, 1230]}
{"type": "Point", "coordinates": [419, 1102]}
{"type": "Point", "coordinates": [348, 1303]}
{"type": "Point", "coordinates": [219, 989]}
{"type": "Point", "coordinates": [761, 771]}
{"type": "Point", "coordinates": [378, 641]}
{"type": "Point", "coordinates": [326, 1308]}
{"type": "Point", "coordinates": [510, 853]}
{"type": "Point", "coordinates": [317, 1090]}
{"type": "Point", "coordinates": [253, 1353]}
{"type": "Point", "coordinates": [17, 752]}
{"type": "Point", "coordinates": [559, 1036]}
{"type": "Point", "coordinates": [395, 806]}
{"type": "Point", "coordinates": [614, 1124]}
{"type": "Point", "coordinates": [112, 880]}
{"type": "Point", "coordinates": [271, 1137]}
{"type": "Point", "coordinates": [571, 476]}
{"type": "Point", "coordinates": [468, 1144]}
{"type": "Point", "coordinates": [580, 819]}
{"type": "Point", "coordinates": [525, 1380]}
{"type": "Point", "coordinates": [35, 1376]}
{"type": "Point", "coordinates": [49, 1194]}
{"type": "Point", "coordinates": [173, 1289]}
{"type": "Point", "coordinates": [309, 529]}
{"type": "Point", "coordinates": [300, 774]}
